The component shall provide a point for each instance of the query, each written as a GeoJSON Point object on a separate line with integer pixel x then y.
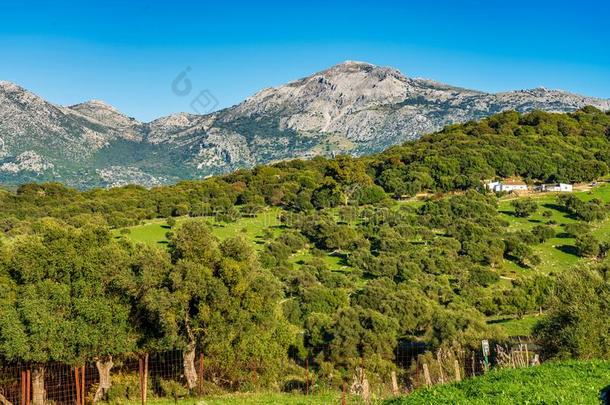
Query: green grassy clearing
{"type": "Point", "coordinates": [251, 227]}
{"type": "Point", "coordinates": [515, 326]}
{"type": "Point", "coordinates": [551, 383]}
{"type": "Point", "coordinates": [557, 254]}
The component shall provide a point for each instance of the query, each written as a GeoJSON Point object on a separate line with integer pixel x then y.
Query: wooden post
{"type": "Point", "coordinates": [366, 389]}
{"type": "Point", "coordinates": [394, 383]}
{"type": "Point", "coordinates": [343, 399]}
{"type": "Point", "coordinates": [456, 366]}
{"type": "Point", "coordinates": [23, 378]}
{"type": "Point", "coordinates": [141, 375]}
{"type": "Point", "coordinates": [440, 366]}
{"type": "Point", "coordinates": [472, 365]}
{"type": "Point", "coordinates": [145, 385]}
{"type": "Point", "coordinates": [77, 385]}
{"type": "Point", "coordinates": [201, 373]}
{"type": "Point", "coordinates": [82, 382]}
{"type": "Point", "coordinates": [28, 387]}
{"type": "Point", "coordinates": [307, 376]}
{"type": "Point", "coordinates": [427, 375]}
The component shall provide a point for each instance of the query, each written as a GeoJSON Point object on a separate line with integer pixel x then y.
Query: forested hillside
{"type": "Point", "coordinates": [537, 146]}
{"type": "Point", "coordinates": [346, 270]}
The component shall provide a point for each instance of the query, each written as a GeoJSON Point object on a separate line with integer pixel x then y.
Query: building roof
{"type": "Point", "coordinates": [513, 183]}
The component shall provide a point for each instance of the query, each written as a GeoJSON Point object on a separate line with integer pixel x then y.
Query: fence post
{"type": "Point", "coordinates": [366, 389]}
{"type": "Point", "coordinates": [456, 365]}
{"type": "Point", "coordinates": [307, 375]}
{"type": "Point", "coordinates": [141, 375]}
{"type": "Point", "coordinates": [343, 399]}
{"type": "Point", "coordinates": [82, 395]}
{"type": "Point", "coordinates": [28, 387]}
{"type": "Point", "coordinates": [143, 378]}
{"type": "Point", "coordinates": [77, 385]}
{"type": "Point", "coordinates": [22, 387]}
{"type": "Point", "coordinates": [201, 370]}
{"type": "Point", "coordinates": [472, 365]}
{"type": "Point", "coordinates": [440, 367]}
{"type": "Point", "coordinates": [394, 383]}
{"type": "Point", "coordinates": [427, 375]}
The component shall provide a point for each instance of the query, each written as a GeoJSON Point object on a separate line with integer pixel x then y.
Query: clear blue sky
{"type": "Point", "coordinates": [127, 53]}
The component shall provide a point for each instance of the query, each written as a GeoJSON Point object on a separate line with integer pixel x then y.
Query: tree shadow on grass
{"type": "Point", "coordinates": [515, 260]}
{"type": "Point", "coordinates": [557, 207]}
{"type": "Point", "coordinates": [569, 249]}
{"type": "Point", "coordinates": [500, 320]}
{"type": "Point", "coordinates": [342, 257]}
{"type": "Point", "coordinates": [604, 395]}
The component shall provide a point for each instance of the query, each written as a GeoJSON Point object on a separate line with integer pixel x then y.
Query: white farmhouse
{"type": "Point", "coordinates": [561, 187]}
{"type": "Point", "coordinates": [492, 185]}
{"type": "Point", "coordinates": [506, 186]}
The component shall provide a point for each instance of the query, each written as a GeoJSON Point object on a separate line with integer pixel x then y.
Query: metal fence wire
{"type": "Point", "coordinates": [161, 375]}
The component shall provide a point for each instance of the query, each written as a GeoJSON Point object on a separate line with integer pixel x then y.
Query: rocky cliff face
{"type": "Point", "coordinates": [352, 108]}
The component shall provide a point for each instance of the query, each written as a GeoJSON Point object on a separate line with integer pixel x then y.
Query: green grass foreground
{"type": "Point", "coordinates": [568, 382]}
{"type": "Point", "coordinates": [330, 398]}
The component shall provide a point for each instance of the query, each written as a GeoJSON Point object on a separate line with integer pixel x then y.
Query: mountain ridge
{"type": "Point", "coordinates": [353, 107]}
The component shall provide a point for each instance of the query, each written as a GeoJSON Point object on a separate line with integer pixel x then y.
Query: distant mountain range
{"type": "Point", "coordinates": [353, 108]}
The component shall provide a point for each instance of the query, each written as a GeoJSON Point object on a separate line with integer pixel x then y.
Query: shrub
{"type": "Point", "coordinates": [578, 323]}
{"type": "Point", "coordinates": [173, 389]}
{"type": "Point", "coordinates": [587, 246]}
{"type": "Point", "coordinates": [524, 207]}
{"type": "Point", "coordinates": [125, 387]}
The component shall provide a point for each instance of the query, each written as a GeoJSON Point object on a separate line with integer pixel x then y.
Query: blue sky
{"type": "Point", "coordinates": [128, 53]}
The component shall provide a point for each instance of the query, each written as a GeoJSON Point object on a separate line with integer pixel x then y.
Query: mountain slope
{"type": "Point", "coordinates": [351, 108]}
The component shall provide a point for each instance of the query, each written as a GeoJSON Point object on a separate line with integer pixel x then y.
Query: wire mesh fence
{"type": "Point", "coordinates": [138, 378]}
{"type": "Point", "coordinates": [133, 378]}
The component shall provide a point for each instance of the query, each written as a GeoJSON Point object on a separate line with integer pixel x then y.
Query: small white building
{"type": "Point", "coordinates": [506, 186]}
{"type": "Point", "coordinates": [561, 187]}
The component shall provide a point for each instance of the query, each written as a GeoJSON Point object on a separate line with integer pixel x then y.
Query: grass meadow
{"type": "Point", "coordinates": [569, 382]}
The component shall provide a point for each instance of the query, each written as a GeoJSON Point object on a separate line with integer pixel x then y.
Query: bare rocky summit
{"type": "Point", "coordinates": [353, 107]}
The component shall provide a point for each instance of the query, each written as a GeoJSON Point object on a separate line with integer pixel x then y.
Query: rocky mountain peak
{"type": "Point", "coordinates": [326, 100]}
{"type": "Point", "coordinates": [353, 107]}
{"type": "Point", "coordinates": [99, 104]}
{"type": "Point", "coordinates": [106, 114]}
{"type": "Point", "coordinates": [351, 67]}
{"type": "Point", "coordinates": [6, 85]}
{"type": "Point", "coordinates": [12, 93]}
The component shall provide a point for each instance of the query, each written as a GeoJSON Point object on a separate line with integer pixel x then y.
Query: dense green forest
{"type": "Point", "coordinates": [74, 287]}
